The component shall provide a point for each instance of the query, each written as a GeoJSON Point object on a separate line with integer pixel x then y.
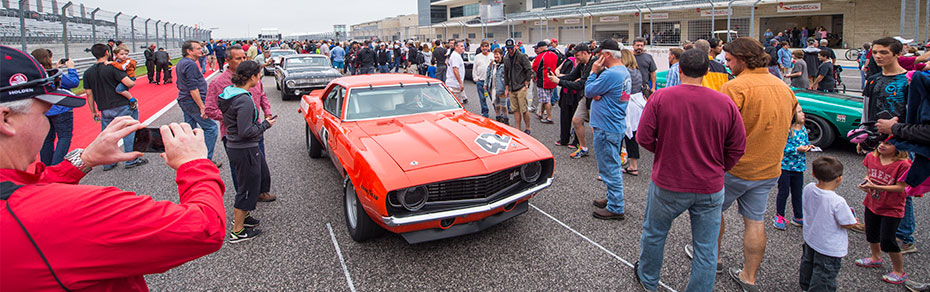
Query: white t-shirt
{"type": "Point", "coordinates": [824, 212]}
{"type": "Point", "coordinates": [455, 63]}
{"type": "Point", "coordinates": [480, 67]}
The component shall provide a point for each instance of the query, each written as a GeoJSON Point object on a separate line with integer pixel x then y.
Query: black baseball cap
{"type": "Point", "coordinates": [509, 43]}
{"type": "Point", "coordinates": [607, 44]}
{"type": "Point", "coordinates": [22, 77]}
{"type": "Point", "coordinates": [541, 44]}
{"type": "Point", "coordinates": [582, 47]}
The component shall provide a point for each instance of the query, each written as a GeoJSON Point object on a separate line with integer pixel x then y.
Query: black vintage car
{"type": "Point", "coordinates": [299, 74]}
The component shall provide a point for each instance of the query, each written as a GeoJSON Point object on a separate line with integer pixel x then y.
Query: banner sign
{"type": "Point", "coordinates": [782, 7]}
{"type": "Point", "coordinates": [656, 16]}
{"type": "Point", "coordinates": [610, 19]}
{"type": "Point", "coordinates": [572, 21]}
{"type": "Point", "coordinates": [721, 12]}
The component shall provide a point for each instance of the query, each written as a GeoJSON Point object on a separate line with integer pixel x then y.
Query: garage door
{"type": "Point", "coordinates": [537, 34]}
{"type": "Point", "coordinates": [571, 35]}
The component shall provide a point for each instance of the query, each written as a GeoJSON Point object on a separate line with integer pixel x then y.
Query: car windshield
{"type": "Point", "coordinates": [380, 102]}
{"type": "Point", "coordinates": [282, 53]}
{"type": "Point", "coordinates": [304, 62]}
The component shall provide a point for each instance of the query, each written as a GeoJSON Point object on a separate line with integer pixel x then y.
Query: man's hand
{"type": "Point", "coordinates": [596, 97]}
{"type": "Point", "coordinates": [553, 78]}
{"type": "Point", "coordinates": [69, 64]}
{"type": "Point", "coordinates": [597, 66]}
{"type": "Point", "coordinates": [884, 126]}
{"type": "Point", "coordinates": [805, 148]}
{"type": "Point", "coordinates": [96, 116]}
{"type": "Point", "coordinates": [104, 150]}
{"type": "Point", "coordinates": [271, 120]}
{"type": "Point", "coordinates": [813, 87]}
{"type": "Point", "coordinates": [182, 144]}
{"type": "Point", "coordinates": [203, 113]}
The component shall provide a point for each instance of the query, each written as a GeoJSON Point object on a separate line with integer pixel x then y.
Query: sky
{"type": "Point", "coordinates": [241, 18]}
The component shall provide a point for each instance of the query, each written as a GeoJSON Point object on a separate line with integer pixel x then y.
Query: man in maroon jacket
{"type": "Point", "coordinates": [709, 123]}
{"type": "Point", "coordinates": [58, 235]}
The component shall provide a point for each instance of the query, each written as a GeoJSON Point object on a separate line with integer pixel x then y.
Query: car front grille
{"type": "Point", "coordinates": [308, 82]}
{"type": "Point", "coordinates": [475, 187]}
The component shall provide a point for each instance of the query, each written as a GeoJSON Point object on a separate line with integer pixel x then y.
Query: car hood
{"type": "Point", "coordinates": [431, 139]}
{"type": "Point", "coordinates": [312, 72]}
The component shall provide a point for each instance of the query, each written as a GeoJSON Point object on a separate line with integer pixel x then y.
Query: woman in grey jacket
{"type": "Point", "coordinates": [244, 130]}
{"type": "Point", "coordinates": [494, 84]}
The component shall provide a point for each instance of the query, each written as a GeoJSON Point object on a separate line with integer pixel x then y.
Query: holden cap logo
{"type": "Point", "coordinates": [493, 143]}
{"type": "Point", "coordinates": [18, 78]}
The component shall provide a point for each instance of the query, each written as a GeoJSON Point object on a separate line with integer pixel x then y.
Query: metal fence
{"type": "Point", "coordinates": [69, 29]}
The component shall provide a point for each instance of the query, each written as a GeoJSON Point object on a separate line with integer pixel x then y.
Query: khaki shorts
{"type": "Point", "coordinates": [518, 101]}
{"type": "Point", "coordinates": [581, 112]}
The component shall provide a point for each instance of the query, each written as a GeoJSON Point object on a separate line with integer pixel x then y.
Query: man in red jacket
{"type": "Point", "coordinates": [58, 235]}
{"type": "Point", "coordinates": [545, 62]}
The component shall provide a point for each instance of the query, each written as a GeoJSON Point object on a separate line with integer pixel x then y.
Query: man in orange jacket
{"type": "Point", "coordinates": [58, 235]}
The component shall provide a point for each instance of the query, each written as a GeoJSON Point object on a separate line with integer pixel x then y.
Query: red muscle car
{"type": "Point", "coordinates": [415, 162]}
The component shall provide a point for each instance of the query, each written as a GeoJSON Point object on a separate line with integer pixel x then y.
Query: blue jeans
{"type": "Point", "coordinates": [192, 117]}
{"type": "Point", "coordinates": [482, 97]}
{"type": "Point", "coordinates": [122, 87]}
{"type": "Point", "coordinates": [662, 207]}
{"type": "Point", "coordinates": [203, 64]}
{"type": "Point", "coordinates": [351, 70]}
{"type": "Point", "coordinates": [61, 126]}
{"type": "Point", "coordinates": [555, 96]}
{"type": "Point", "coordinates": [107, 116]}
{"type": "Point", "coordinates": [607, 154]}
{"type": "Point", "coordinates": [906, 229]}
{"type": "Point", "coordinates": [384, 68]}
{"type": "Point", "coordinates": [397, 64]}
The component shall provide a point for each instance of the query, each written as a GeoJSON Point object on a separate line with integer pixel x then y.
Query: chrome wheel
{"type": "Point", "coordinates": [351, 199]}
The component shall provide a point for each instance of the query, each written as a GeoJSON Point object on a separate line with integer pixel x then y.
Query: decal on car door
{"type": "Point", "coordinates": [493, 143]}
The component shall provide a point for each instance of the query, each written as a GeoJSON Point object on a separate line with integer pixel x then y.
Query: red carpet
{"type": "Point", "coordinates": [152, 98]}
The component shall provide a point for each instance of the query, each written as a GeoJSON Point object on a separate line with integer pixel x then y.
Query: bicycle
{"type": "Point", "coordinates": [853, 54]}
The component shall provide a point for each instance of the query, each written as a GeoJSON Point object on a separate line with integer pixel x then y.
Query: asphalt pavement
{"type": "Point", "coordinates": [555, 246]}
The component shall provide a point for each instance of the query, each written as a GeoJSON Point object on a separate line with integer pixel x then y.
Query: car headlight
{"type": "Point", "coordinates": [413, 198]}
{"type": "Point", "coordinates": [530, 172]}
{"type": "Point", "coordinates": [291, 83]}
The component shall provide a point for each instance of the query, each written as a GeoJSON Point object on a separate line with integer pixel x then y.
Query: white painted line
{"type": "Point", "coordinates": [341, 260]}
{"type": "Point", "coordinates": [625, 262]}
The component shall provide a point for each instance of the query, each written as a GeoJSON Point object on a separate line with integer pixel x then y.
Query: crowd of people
{"type": "Point", "coordinates": [730, 102]}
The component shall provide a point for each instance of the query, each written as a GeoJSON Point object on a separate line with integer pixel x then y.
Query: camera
{"type": "Point", "coordinates": [868, 136]}
{"type": "Point", "coordinates": [63, 60]}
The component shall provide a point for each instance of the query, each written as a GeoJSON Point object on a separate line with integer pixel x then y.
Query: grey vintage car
{"type": "Point", "coordinates": [299, 74]}
{"type": "Point", "coordinates": [277, 55]}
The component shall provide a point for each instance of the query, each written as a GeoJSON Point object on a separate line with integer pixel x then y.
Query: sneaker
{"type": "Point", "coordinates": [559, 143]}
{"type": "Point", "coordinates": [689, 251]}
{"type": "Point", "coordinates": [746, 287]}
{"type": "Point", "coordinates": [572, 146]}
{"type": "Point", "coordinates": [109, 167]}
{"type": "Point", "coordinates": [251, 221]}
{"type": "Point", "coordinates": [797, 222]}
{"type": "Point", "coordinates": [894, 278]}
{"type": "Point", "coordinates": [139, 162]}
{"type": "Point", "coordinates": [579, 153]}
{"type": "Point", "coordinates": [465, 101]}
{"type": "Point", "coordinates": [527, 131]}
{"type": "Point", "coordinates": [636, 276]}
{"type": "Point", "coordinates": [244, 235]}
{"type": "Point", "coordinates": [868, 263]}
{"type": "Point", "coordinates": [914, 286]}
{"type": "Point", "coordinates": [779, 222]}
{"type": "Point", "coordinates": [907, 248]}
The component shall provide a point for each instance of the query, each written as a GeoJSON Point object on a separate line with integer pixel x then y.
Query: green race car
{"type": "Point", "coordinates": [829, 115]}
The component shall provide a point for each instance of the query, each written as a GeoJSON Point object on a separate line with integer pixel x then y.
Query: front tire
{"type": "Point", "coordinates": [360, 226]}
{"type": "Point", "coordinates": [820, 132]}
{"type": "Point", "coordinates": [314, 147]}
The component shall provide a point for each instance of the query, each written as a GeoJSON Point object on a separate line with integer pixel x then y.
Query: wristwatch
{"type": "Point", "coordinates": [75, 158]}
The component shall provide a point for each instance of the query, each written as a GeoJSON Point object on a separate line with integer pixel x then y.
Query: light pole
{"type": "Point", "coordinates": [132, 31]}
{"type": "Point", "coordinates": [156, 32]}
{"type": "Point", "coordinates": [64, 27]}
{"type": "Point", "coordinates": [116, 25]}
{"type": "Point", "coordinates": [22, 25]}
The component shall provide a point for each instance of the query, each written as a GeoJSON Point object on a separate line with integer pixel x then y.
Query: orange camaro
{"type": "Point", "coordinates": [415, 162]}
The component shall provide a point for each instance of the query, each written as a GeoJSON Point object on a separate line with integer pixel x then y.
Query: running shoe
{"type": "Point", "coordinates": [907, 248]}
{"type": "Point", "coordinates": [689, 251]}
{"type": "Point", "coordinates": [527, 131]}
{"type": "Point", "coordinates": [251, 221]}
{"type": "Point", "coordinates": [139, 162]}
{"type": "Point", "coordinates": [894, 278]}
{"type": "Point", "coordinates": [244, 235]}
{"type": "Point", "coordinates": [779, 222]}
{"type": "Point", "coordinates": [797, 222]}
{"type": "Point", "coordinates": [916, 286]}
{"type": "Point", "coordinates": [579, 153]}
{"type": "Point", "coordinates": [868, 263]}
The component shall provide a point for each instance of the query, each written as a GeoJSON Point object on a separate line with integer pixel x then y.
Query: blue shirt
{"type": "Point", "coordinates": [339, 55]}
{"type": "Point", "coordinates": [794, 160]}
{"type": "Point", "coordinates": [190, 78]}
{"type": "Point", "coordinates": [784, 58]}
{"type": "Point", "coordinates": [613, 85]}
{"type": "Point", "coordinates": [69, 80]}
{"type": "Point", "coordinates": [672, 78]}
{"type": "Point", "coordinates": [220, 51]}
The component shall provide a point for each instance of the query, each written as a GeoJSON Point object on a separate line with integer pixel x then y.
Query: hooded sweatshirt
{"type": "Point", "coordinates": [243, 127]}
